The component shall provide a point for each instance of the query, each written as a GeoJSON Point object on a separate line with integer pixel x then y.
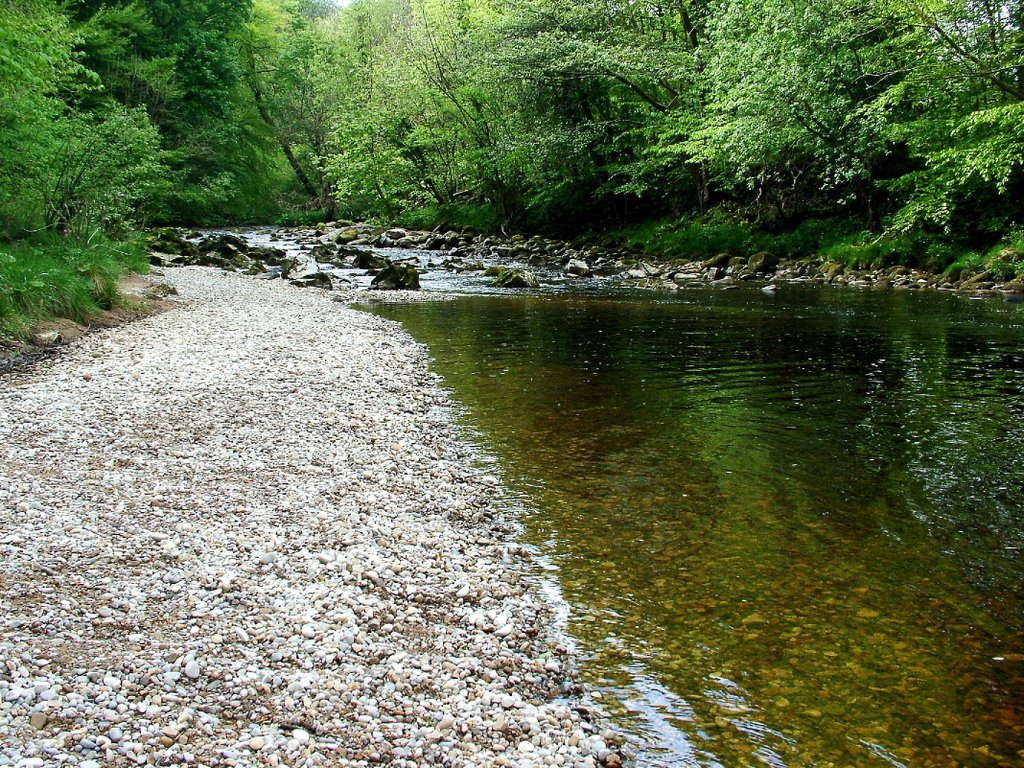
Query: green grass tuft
{"type": "Point", "coordinates": [699, 239]}
{"type": "Point", "coordinates": [478, 217]}
{"type": "Point", "coordinates": [60, 279]}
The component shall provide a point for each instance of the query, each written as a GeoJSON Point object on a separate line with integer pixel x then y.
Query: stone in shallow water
{"type": "Point", "coordinates": [397, 277]}
{"type": "Point", "coordinates": [515, 278]}
{"type": "Point", "coordinates": [578, 267]}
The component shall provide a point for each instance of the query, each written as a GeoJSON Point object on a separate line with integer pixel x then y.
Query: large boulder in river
{"type": "Point", "coordinates": [368, 260]}
{"type": "Point", "coordinates": [578, 267]}
{"type": "Point", "coordinates": [302, 266]}
{"type": "Point", "coordinates": [224, 244]}
{"type": "Point", "coordinates": [762, 262]}
{"type": "Point", "coordinates": [721, 261]}
{"type": "Point", "coordinates": [397, 277]}
{"type": "Point", "coordinates": [273, 256]}
{"type": "Point", "coordinates": [515, 278]}
{"type": "Point", "coordinates": [170, 241]}
{"type": "Point", "coordinates": [314, 280]}
{"type": "Point", "coordinates": [323, 252]}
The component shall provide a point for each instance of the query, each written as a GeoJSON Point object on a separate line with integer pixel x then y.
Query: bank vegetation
{"type": "Point", "coordinates": [873, 133]}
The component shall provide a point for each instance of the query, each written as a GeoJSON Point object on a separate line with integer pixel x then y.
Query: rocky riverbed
{"type": "Point", "coordinates": [509, 262]}
{"type": "Point", "coordinates": [245, 532]}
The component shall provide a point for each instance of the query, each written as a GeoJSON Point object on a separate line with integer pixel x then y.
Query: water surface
{"type": "Point", "coordinates": [789, 527]}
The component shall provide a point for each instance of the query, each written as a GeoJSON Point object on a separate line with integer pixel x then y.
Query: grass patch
{"type": "Point", "coordinates": [1003, 261]}
{"type": "Point", "coordinates": [834, 240]}
{"type": "Point", "coordinates": [472, 217]}
{"type": "Point", "coordinates": [864, 250]}
{"type": "Point", "coordinates": [699, 239]}
{"type": "Point", "coordinates": [1006, 259]}
{"type": "Point", "coordinates": [301, 218]}
{"type": "Point", "coordinates": [61, 279]}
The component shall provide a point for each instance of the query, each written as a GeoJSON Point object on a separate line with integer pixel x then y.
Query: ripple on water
{"type": "Point", "coordinates": [789, 529]}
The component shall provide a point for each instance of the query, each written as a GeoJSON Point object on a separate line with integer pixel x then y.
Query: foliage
{"type": "Point", "coordinates": [744, 123]}
{"type": "Point", "coordinates": [471, 217]}
{"type": "Point", "coordinates": [702, 237]}
{"type": "Point", "coordinates": [35, 56]}
{"type": "Point", "coordinates": [105, 172]}
{"type": "Point", "coordinates": [61, 278]}
{"type": "Point", "coordinates": [785, 121]}
{"type": "Point", "coordinates": [580, 114]}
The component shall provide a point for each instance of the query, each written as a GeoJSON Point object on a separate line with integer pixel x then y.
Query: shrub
{"type": "Point", "coordinates": [72, 280]}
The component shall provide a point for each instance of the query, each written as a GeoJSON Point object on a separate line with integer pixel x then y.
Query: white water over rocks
{"type": "Point", "coordinates": [243, 533]}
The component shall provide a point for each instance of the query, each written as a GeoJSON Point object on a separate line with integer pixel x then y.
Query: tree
{"type": "Point", "coordinates": [35, 58]}
{"type": "Point", "coordinates": [959, 109]}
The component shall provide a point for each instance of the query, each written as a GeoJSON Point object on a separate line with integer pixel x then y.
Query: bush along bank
{"type": "Point", "coordinates": [61, 280]}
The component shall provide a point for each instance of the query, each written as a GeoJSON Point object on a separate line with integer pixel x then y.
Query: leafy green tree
{"type": "Point", "coordinates": [35, 58]}
{"type": "Point", "coordinates": [293, 65]}
{"type": "Point", "coordinates": [181, 61]}
{"type": "Point", "coordinates": [959, 110]}
{"type": "Point", "coordinates": [105, 175]}
{"type": "Point", "coordinates": [787, 127]}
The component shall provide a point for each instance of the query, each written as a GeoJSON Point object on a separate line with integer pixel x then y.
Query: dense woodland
{"type": "Point", "coordinates": [895, 126]}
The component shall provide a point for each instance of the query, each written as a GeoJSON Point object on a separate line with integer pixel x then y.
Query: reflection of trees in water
{"type": "Point", "coordinates": [798, 497]}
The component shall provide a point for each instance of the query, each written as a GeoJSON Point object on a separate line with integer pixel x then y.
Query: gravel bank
{"type": "Point", "coordinates": [242, 533]}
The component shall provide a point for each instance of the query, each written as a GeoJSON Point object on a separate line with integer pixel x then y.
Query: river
{"type": "Point", "coordinates": [789, 527]}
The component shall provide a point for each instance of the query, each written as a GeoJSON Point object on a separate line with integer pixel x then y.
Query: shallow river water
{"type": "Point", "coordinates": [789, 527]}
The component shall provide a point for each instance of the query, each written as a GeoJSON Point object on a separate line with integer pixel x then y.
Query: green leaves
{"type": "Point", "coordinates": [107, 172]}
{"type": "Point", "coordinates": [958, 110]}
{"type": "Point", "coordinates": [554, 113]}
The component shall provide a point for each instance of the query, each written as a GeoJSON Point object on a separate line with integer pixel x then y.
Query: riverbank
{"type": "Point", "coordinates": [245, 532]}
{"type": "Point", "coordinates": [47, 287]}
{"type": "Point", "coordinates": [137, 297]}
{"type": "Point", "coordinates": [671, 263]}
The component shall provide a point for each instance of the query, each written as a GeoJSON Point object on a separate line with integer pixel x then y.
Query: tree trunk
{"type": "Point", "coordinates": [303, 177]}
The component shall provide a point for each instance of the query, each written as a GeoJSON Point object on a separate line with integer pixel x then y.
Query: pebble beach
{"type": "Point", "coordinates": [247, 532]}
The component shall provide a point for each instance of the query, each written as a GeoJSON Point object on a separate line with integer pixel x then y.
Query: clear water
{"type": "Point", "coordinates": [789, 528]}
